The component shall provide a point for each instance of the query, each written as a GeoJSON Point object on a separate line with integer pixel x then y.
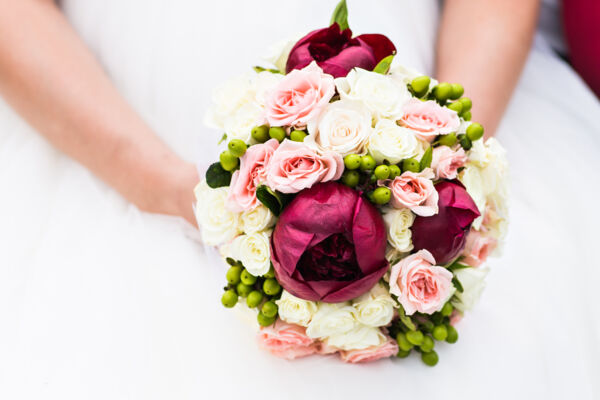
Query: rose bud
{"type": "Point", "coordinates": [337, 52]}
{"type": "Point", "coordinates": [329, 244]}
{"type": "Point", "coordinates": [445, 233]}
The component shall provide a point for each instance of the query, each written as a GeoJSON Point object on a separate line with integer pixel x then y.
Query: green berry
{"type": "Point", "coordinates": [440, 333]}
{"type": "Point", "coordinates": [367, 163]}
{"type": "Point", "coordinates": [420, 85]}
{"type": "Point", "coordinates": [254, 299]}
{"type": "Point", "coordinates": [448, 140]}
{"type": "Point", "coordinates": [382, 195]}
{"type": "Point", "coordinates": [428, 326]}
{"type": "Point", "coordinates": [229, 298]}
{"type": "Point", "coordinates": [263, 320]}
{"type": "Point", "coordinates": [260, 133]}
{"type": "Point", "coordinates": [466, 115]}
{"type": "Point", "coordinates": [475, 131]}
{"type": "Point", "coordinates": [233, 275]}
{"type": "Point", "coordinates": [427, 344]}
{"type": "Point", "coordinates": [350, 178]}
{"type": "Point", "coordinates": [382, 172]}
{"type": "Point", "coordinates": [465, 142]}
{"type": "Point", "coordinates": [457, 91]}
{"type": "Point", "coordinates": [276, 132]}
{"type": "Point", "coordinates": [455, 106]}
{"type": "Point", "coordinates": [452, 334]}
{"type": "Point", "coordinates": [247, 278]}
{"type": "Point", "coordinates": [442, 92]}
{"type": "Point", "coordinates": [415, 337]}
{"type": "Point", "coordinates": [394, 171]}
{"type": "Point", "coordinates": [271, 287]}
{"type": "Point", "coordinates": [269, 309]}
{"type": "Point", "coordinates": [237, 147]}
{"type": "Point", "coordinates": [466, 104]}
{"type": "Point", "coordinates": [403, 343]}
{"type": "Point", "coordinates": [270, 273]}
{"type": "Point", "coordinates": [410, 164]}
{"type": "Point", "coordinates": [352, 161]}
{"type": "Point", "coordinates": [243, 290]}
{"type": "Point", "coordinates": [229, 162]}
{"type": "Point", "coordinates": [298, 136]}
{"type": "Point", "coordinates": [430, 358]}
{"type": "Point", "coordinates": [447, 309]}
{"type": "Point", "coordinates": [403, 354]}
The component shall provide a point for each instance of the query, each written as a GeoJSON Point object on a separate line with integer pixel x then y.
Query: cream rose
{"type": "Point", "coordinates": [375, 308]}
{"type": "Point", "coordinates": [257, 220]}
{"type": "Point", "coordinates": [344, 127]}
{"type": "Point", "coordinates": [382, 95]}
{"type": "Point", "coordinates": [295, 310]}
{"type": "Point", "coordinates": [398, 223]}
{"type": "Point", "coordinates": [331, 320]}
{"type": "Point", "coordinates": [253, 250]}
{"type": "Point", "coordinates": [405, 75]}
{"type": "Point", "coordinates": [360, 338]}
{"type": "Point", "coordinates": [392, 142]}
{"type": "Point", "coordinates": [473, 283]}
{"type": "Point", "coordinates": [217, 224]}
{"type": "Point", "coordinates": [471, 178]}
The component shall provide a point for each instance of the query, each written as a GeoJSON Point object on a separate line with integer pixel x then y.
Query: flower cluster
{"type": "Point", "coordinates": [356, 202]}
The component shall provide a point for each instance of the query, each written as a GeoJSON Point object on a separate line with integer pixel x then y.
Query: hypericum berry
{"type": "Point", "coordinates": [278, 133]}
{"type": "Point", "coordinates": [237, 147]}
{"type": "Point", "coordinates": [382, 172]}
{"type": "Point", "coordinates": [229, 162]}
{"type": "Point", "coordinates": [475, 131]}
{"type": "Point", "coordinates": [260, 133]}
{"type": "Point", "coordinates": [229, 298]}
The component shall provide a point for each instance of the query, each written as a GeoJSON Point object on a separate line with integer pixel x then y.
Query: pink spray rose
{"type": "Point", "coordinates": [428, 119]}
{"type": "Point", "coordinates": [444, 234]}
{"type": "Point", "coordinates": [286, 340]}
{"type": "Point", "coordinates": [421, 285]}
{"type": "Point", "coordinates": [373, 353]}
{"type": "Point", "coordinates": [294, 166]}
{"type": "Point", "coordinates": [478, 248]}
{"type": "Point", "coordinates": [446, 162]}
{"type": "Point", "coordinates": [415, 191]}
{"type": "Point", "coordinates": [300, 97]}
{"type": "Point", "coordinates": [329, 244]}
{"type": "Point", "coordinates": [252, 173]}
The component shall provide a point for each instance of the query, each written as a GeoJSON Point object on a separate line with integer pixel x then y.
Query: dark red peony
{"type": "Point", "coordinates": [329, 244]}
{"type": "Point", "coordinates": [337, 52]}
{"type": "Point", "coordinates": [445, 233]}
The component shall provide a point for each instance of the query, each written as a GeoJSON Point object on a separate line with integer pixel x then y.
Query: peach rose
{"type": "Point", "coordinates": [414, 191]}
{"type": "Point", "coordinates": [286, 340]}
{"type": "Point", "coordinates": [421, 285]}
{"type": "Point", "coordinates": [300, 97]}
{"type": "Point", "coordinates": [446, 162]}
{"type": "Point", "coordinates": [295, 166]}
{"type": "Point", "coordinates": [373, 353]}
{"type": "Point", "coordinates": [252, 173]}
{"type": "Point", "coordinates": [428, 119]}
{"type": "Point", "coordinates": [478, 248]}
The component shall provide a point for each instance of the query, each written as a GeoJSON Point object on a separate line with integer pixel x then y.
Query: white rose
{"type": "Point", "coordinates": [331, 319]}
{"type": "Point", "coordinates": [344, 127]}
{"type": "Point", "coordinates": [471, 178]}
{"type": "Point", "coordinates": [392, 142]}
{"type": "Point", "coordinates": [239, 124]}
{"type": "Point", "coordinates": [263, 83]}
{"type": "Point", "coordinates": [375, 308]}
{"type": "Point", "coordinates": [295, 310]}
{"type": "Point", "coordinates": [473, 283]}
{"type": "Point", "coordinates": [406, 75]}
{"type": "Point", "coordinates": [217, 224]}
{"type": "Point", "coordinates": [382, 95]}
{"type": "Point", "coordinates": [257, 220]}
{"type": "Point", "coordinates": [398, 223]}
{"type": "Point", "coordinates": [253, 251]}
{"type": "Point", "coordinates": [360, 338]}
{"type": "Point", "coordinates": [280, 52]}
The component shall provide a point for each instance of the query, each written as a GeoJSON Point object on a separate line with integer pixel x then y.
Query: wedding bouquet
{"type": "Point", "coordinates": [355, 203]}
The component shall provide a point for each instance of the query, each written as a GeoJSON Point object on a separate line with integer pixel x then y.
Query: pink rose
{"type": "Point", "coordinates": [455, 317]}
{"type": "Point", "coordinates": [252, 173]}
{"type": "Point", "coordinates": [299, 97]}
{"type": "Point", "coordinates": [373, 353]}
{"type": "Point", "coordinates": [429, 119]}
{"type": "Point", "coordinates": [295, 166]}
{"type": "Point", "coordinates": [446, 162]}
{"type": "Point", "coordinates": [421, 285]}
{"type": "Point", "coordinates": [478, 248]}
{"type": "Point", "coordinates": [286, 340]}
{"type": "Point", "coordinates": [414, 191]}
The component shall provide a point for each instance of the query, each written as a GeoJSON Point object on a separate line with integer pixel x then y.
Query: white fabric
{"type": "Point", "coordinates": [101, 301]}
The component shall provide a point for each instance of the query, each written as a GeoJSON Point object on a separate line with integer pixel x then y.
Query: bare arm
{"type": "Point", "coordinates": [50, 77]}
{"type": "Point", "coordinates": [483, 45]}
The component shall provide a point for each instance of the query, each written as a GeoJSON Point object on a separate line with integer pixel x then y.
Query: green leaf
{"type": "Point", "coordinates": [223, 138]}
{"type": "Point", "coordinates": [405, 319]}
{"type": "Point", "coordinates": [383, 67]}
{"type": "Point", "coordinates": [258, 68]}
{"type": "Point", "coordinates": [217, 177]}
{"type": "Point", "coordinates": [456, 266]}
{"type": "Point", "coordinates": [340, 15]}
{"type": "Point", "coordinates": [270, 199]}
{"type": "Point", "coordinates": [458, 285]}
{"type": "Point", "coordinates": [231, 261]}
{"type": "Point", "coordinates": [427, 158]}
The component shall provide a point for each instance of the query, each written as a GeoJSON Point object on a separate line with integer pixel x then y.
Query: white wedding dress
{"type": "Point", "coordinates": [101, 301]}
